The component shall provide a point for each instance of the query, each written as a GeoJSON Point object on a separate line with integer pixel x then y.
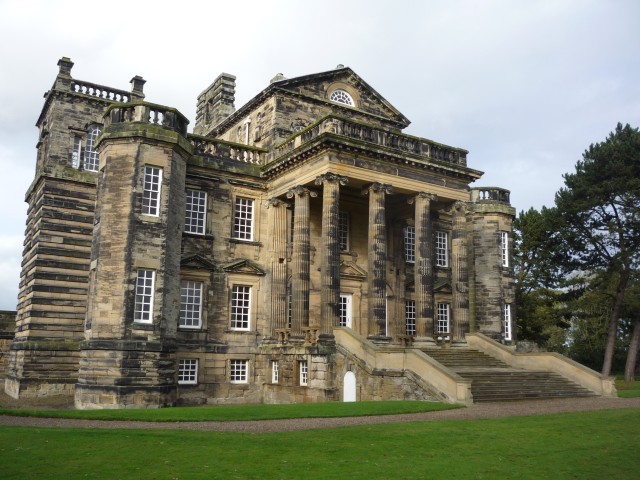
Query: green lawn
{"type": "Point", "coordinates": [628, 389]}
{"type": "Point", "coordinates": [591, 445]}
{"type": "Point", "coordinates": [242, 412]}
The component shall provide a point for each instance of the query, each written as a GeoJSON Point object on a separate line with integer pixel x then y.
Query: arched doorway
{"type": "Point", "coordinates": [349, 387]}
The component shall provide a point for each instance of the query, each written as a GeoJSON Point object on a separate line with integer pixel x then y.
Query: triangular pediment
{"type": "Point", "coordinates": [196, 261]}
{"type": "Point", "coordinates": [442, 286]}
{"type": "Point", "coordinates": [321, 85]}
{"type": "Point", "coordinates": [349, 270]}
{"type": "Point", "coordinates": [243, 265]}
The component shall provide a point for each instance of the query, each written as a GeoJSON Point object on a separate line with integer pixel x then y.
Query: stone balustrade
{"type": "Point", "coordinates": [149, 113]}
{"type": "Point", "coordinates": [100, 91]}
{"type": "Point", "coordinates": [344, 127]}
{"type": "Point", "coordinates": [490, 195]}
{"type": "Point", "coordinates": [211, 147]}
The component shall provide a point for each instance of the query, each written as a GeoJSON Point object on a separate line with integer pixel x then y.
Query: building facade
{"type": "Point", "coordinates": [286, 251]}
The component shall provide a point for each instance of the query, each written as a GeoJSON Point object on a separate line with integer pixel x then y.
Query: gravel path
{"type": "Point", "coordinates": [482, 410]}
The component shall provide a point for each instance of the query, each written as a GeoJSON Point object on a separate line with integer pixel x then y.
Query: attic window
{"type": "Point", "coordinates": [341, 96]}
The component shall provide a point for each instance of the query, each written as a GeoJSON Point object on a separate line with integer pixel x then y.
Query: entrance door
{"type": "Point", "coordinates": [349, 393]}
{"type": "Point", "coordinates": [346, 300]}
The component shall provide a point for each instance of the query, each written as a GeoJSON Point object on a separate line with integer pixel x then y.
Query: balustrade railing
{"type": "Point", "coordinates": [378, 136]}
{"type": "Point", "coordinates": [211, 147]}
{"type": "Point", "coordinates": [100, 91]}
{"type": "Point", "coordinates": [149, 113]}
{"type": "Point", "coordinates": [490, 195]}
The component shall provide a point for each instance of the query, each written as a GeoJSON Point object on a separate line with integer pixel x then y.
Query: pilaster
{"type": "Point", "coordinates": [279, 303]}
{"type": "Point", "coordinates": [459, 272]}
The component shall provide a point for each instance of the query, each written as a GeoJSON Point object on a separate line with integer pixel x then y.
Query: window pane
{"type": "Point", "coordinates": [90, 155]}
{"type": "Point", "coordinates": [240, 307]}
{"type": "Point", "coordinates": [188, 371]}
{"type": "Point", "coordinates": [144, 296]}
{"type": "Point", "coordinates": [151, 193]}
{"type": "Point", "coordinates": [442, 249]}
{"type": "Point", "coordinates": [191, 304]}
{"type": "Point", "coordinates": [243, 219]}
{"type": "Point", "coordinates": [410, 317]}
{"type": "Point", "coordinates": [238, 371]}
{"type": "Point", "coordinates": [409, 244]}
{"type": "Point", "coordinates": [443, 318]}
{"type": "Point", "coordinates": [195, 212]}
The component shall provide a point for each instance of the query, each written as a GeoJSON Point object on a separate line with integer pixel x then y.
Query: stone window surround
{"type": "Point", "coordinates": [275, 371]}
{"type": "Point", "coordinates": [241, 307]}
{"type": "Point", "coordinates": [443, 317]}
{"type": "Point", "coordinates": [409, 234]}
{"type": "Point", "coordinates": [410, 317]}
{"type": "Point", "coordinates": [303, 369]}
{"type": "Point", "coordinates": [441, 247]}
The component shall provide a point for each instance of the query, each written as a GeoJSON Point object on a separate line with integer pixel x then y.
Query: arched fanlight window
{"type": "Point", "coordinates": [341, 96]}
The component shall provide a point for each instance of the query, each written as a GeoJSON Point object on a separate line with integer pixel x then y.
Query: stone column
{"type": "Point", "coordinates": [330, 260]}
{"type": "Point", "coordinates": [423, 270]}
{"type": "Point", "coordinates": [459, 272]}
{"type": "Point", "coordinates": [278, 265]}
{"type": "Point", "coordinates": [300, 260]}
{"type": "Point", "coordinates": [376, 276]}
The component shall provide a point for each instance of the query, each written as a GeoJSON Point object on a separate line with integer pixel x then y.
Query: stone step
{"type": "Point", "coordinates": [493, 380]}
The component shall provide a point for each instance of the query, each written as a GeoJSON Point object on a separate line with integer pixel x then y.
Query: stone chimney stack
{"type": "Point", "coordinates": [215, 103]}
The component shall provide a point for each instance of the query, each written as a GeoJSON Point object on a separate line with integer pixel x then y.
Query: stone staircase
{"type": "Point", "coordinates": [493, 380]}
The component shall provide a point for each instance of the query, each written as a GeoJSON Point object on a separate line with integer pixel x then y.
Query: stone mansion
{"type": "Point", "coordinates": [301, 248]}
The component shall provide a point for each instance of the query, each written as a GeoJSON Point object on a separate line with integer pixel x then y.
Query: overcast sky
{"type": "Point", "coordinates": [524, 85]}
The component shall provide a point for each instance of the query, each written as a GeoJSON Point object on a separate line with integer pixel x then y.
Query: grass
{"type": "Point", "coordinates": [627, 389]}
{"type": "Point", "coordinates": [242, 412]}
{"type": "Point", "coordinates": [588, 445]}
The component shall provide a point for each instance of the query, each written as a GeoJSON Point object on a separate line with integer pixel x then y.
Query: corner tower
{"type": "Point", "coordinates": [128, 356]}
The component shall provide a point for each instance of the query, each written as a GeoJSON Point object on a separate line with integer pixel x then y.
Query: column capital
{"type": "Point", "coordinates": [378, 187]}
{"type": "Point", "coordinates": [301, 191]}
{"type": "Point", "coordinates": [331, 178]}
{"type": "Point", "coordinates": [459, 207]}
{"type": "Point", "coordinates": [276, 202]}
{"type": "Point", "coordinates": [422, 196]}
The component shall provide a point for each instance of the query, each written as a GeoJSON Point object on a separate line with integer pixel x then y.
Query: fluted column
{"type": "Point", "coordinates": [423, 270]}
{"type": "Point", "coordinates": [300, 259]}
{"type": "Point", "coordinates": [278, 264]}
{"type": "Point", "coordinates": [459, 272]}
{"type": "Point", "coordinates": [330, 260]}
{"type": "Point", "coordinates": [376, 277]}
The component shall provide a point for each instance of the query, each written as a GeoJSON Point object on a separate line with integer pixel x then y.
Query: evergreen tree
{"type": "Point", "coordinates": [599, 213]}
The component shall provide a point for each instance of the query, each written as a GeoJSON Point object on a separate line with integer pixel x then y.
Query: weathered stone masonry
{"type": "Point", "coordinates": [164, 268]}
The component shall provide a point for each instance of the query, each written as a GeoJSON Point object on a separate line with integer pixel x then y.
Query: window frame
{"type": "Point", "coordinates": [183, 320]}
{"type": "Point", "coordinates": [343, 230]}
{"type": "Point", "coordinates": [443, 318]}
{"type": "Point", "coordinates": [343, 97]}
{"type": "Point", "coordinates": [506, 322]}
{"type": "Point", "coordinates": [441, 249]}
{"type": "Point", "coordinates": [195, 213]}
{"type": "Point", "coordinates": [188, 374]}
{"type": "Point", "coordinates": [243, 224]}
{"type": "Point", "coordinates": [238, 371]}
{"type": "Point", "coordinates": [409, 235]}
{"type": "Point", "coordinates": [91, 159]}
{"type": "Point", "coordinates": [345, 310]}
{"type": "Point", "coordinates": [241, 314]}
{"type": "Point", "coordinates": [303, 370]}
{"type": "Point", "coordinates": [504, 249]}
{"type": "Point", "coordinates": [151, 190]}
{"type": "Point", "coordinates": [275, 371]}
{"type": "Point", "coordinates": [410, 317]}
{"type": "Point", "coordinates": [146, 298]}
